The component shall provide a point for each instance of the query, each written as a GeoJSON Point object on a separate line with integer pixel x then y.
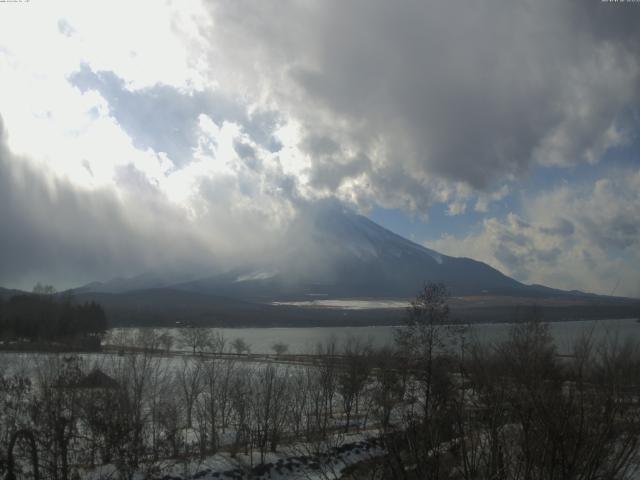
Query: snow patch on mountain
{"type": "Point", "coordinates": [259, 275]}
{"type": "Point", "coordinates": [435, 255]}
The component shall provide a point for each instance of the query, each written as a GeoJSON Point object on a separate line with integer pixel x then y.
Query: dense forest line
{"type": "Point", "coordinates": [44, 317]}
{"type": "Point", "coordinates": [166, 307]}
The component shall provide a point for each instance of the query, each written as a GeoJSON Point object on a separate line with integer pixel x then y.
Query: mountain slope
{"type": "Point", "coordinates": [337, 253]}
{"type": "Point", "coordinates": [376, 261]}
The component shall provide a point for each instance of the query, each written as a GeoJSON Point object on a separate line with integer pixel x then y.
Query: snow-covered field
{"type": "Point", "coordinates": [292, 460]}
{"type": "Point", "coordinates": [188, 404]}
{"type": "Point", "coordinates": [291, 463]}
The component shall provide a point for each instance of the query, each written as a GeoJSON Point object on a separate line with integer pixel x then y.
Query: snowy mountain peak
{"type": "Point", "coordinates": [338, 253]}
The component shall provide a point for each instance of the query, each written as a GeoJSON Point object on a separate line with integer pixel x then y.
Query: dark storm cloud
{"type": "Point", "coordinates": [165, 119]}
{"type": "Point", "coordinates": [469, 92]}
{"type": "Point", "coordinates": [320, 145]}
{"type": "Point", "coordinates": [330, 172]}
{"type": "Point", "coordinates": [55, 232]}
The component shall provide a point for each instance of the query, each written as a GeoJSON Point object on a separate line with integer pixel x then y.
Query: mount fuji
{"type": "Point", "coordinates": [333, 259]}
{"type": "Point", "coordinates": [338, 253]}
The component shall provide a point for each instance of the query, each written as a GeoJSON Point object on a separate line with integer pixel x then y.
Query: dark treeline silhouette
{"type": "Point", "coordinates": [515, 409]}
{"type": "Point", "coordinates": [163, 307]}
{"type": "Point", "coordinates": [44, 318]}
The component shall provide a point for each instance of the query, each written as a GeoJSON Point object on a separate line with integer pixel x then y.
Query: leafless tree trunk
{"type": "Point", "coordinates": [189, 378]}
{"type": "Point", "coordinates": [353, 375]}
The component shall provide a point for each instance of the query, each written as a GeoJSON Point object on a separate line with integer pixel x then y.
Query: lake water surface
{"type": "Point", "coordinates": [304, 339]}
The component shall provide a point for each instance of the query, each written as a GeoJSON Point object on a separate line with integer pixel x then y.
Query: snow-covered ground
{"type": "Point", "coordinates": [286, 465]}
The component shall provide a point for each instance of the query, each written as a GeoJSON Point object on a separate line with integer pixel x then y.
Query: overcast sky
{"type": "Point", "coordinates": [174, 134]}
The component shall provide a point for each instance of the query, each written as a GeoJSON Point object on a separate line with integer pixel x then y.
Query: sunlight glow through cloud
{"type": "Point", "coordinates": [232, 116]}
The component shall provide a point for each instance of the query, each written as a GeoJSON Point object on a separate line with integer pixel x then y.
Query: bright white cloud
{"type": "Point", "coordinates": [573, 237]}
{"type": "Point", "coordinates": [72, 129]}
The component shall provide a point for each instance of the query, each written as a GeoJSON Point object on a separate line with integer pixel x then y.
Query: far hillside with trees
{"type": "Point", "coordinates": [44, 318]}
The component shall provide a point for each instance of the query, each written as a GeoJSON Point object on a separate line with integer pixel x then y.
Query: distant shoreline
{"type": "Point", "coordinates": [448, 324]}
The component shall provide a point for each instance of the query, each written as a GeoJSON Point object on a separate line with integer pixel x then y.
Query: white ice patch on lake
{"type": "Point", "coordinates": [349, 304]}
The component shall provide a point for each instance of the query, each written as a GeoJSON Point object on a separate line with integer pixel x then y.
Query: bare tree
{"type": "Point", "coordinates": [268, 407]}
{"type": "Point", "coordinates": [280, 348]}
{"type": "Point", "coordinates": [218, 342]}
{"type": "Point", "coordinates": [217, 376]}
{"type": "Point", "coordinates": [132, 417]}
{"type": "Point", "coordinates": [240, 401]}
{"type": "Point", "coordinates": [189, 378]}
{"type": "Point", "coordinates": [148, 339]}
{"type": "Point", "coordinates": [390, 379]}
{"type": "Point", "coordinates": [353, 375]}
{"type": "Point", "coordinates": [58, 407]}
{"type": "Point", "coordinates": [424, 335]}
{"type": "Point", "coordinates": [166, 341]}
{"type": "Point", "coordinates": [40, 289]}
{"type": "Point", "coordinates": [170, 425]}
{"type": "Point", "coordinates": [299, 392]}
{"type": "Point", "coordinates": [240, 346]}
{"type": "Point", "coordinates": [198, 339]}
{"type": "Point", "coordinates": [528, 415]}
{"type": "Point", "coordinates": [328, 374]}
{"type": "Point", "coordinates": [424, 340]}
{"type": "Point", "coordinates": [16, 415]}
